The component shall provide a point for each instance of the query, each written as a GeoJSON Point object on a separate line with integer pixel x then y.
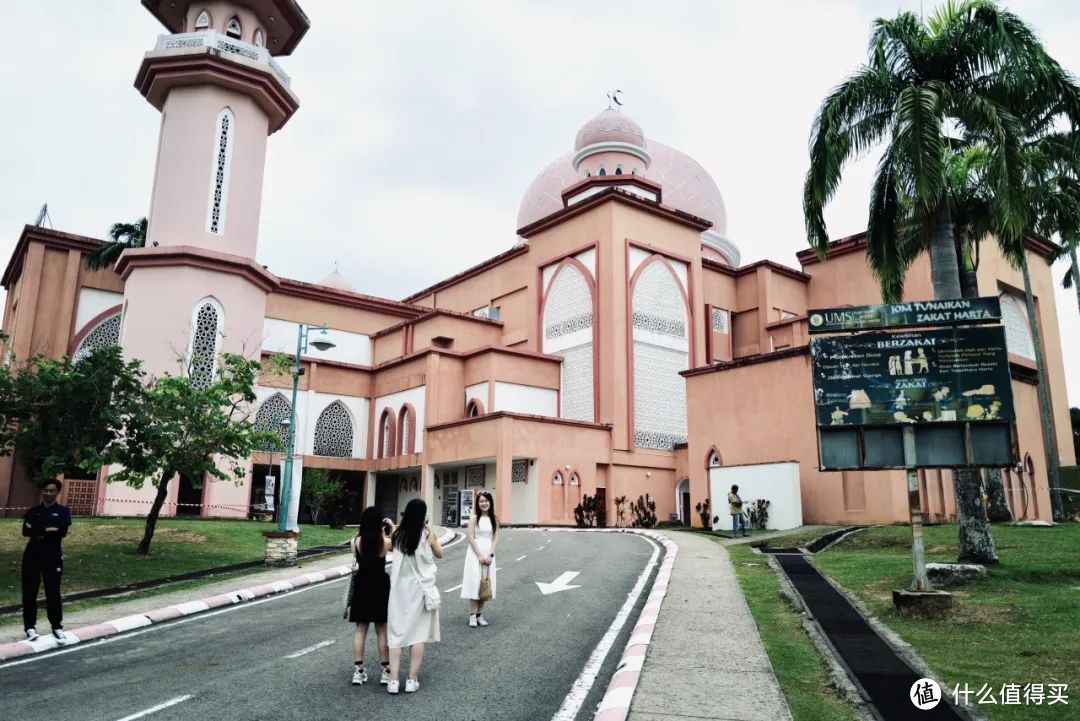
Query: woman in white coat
{"type": "Point", "coordinates": [410, 624]}
{"type": "Point", "coordinates": [480, 557]}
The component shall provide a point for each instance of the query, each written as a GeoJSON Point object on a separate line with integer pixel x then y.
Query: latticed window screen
{"type": "Point", "coordinates": [105, 334]}
{"type": "Point", "coordinates": [334, 432]}
{"type": "Point", "coordinates": [568, 322]}
{"type": "Point", "coordinates": [219, 181]}
{"type": "Point", "coordinates": [272, 412]}
{"type": "Point", "coordinates": [661, 351]}
{"type": "Point", "coordinates": [518, 471]}
{"type": "Point", "coordinates": [204, 346]}
{"type": "Point", "coordinates": [1017, 329]}
{"type": "Point", "coordinates": [719, 320]}
{"type": "Point", "coordinates": [406, 438]}
{"type": "Point", "coordinates": [386, 450]}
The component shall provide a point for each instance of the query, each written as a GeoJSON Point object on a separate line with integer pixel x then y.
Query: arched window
{"type": "Point", "coordinates": [575, 479]}
{"type": "Point", "coordinates": [259, 40]}
{"type": "Point", "coordinates": [557, 478]}
{"type": "Point", "coordinates": [713, 459]}
{"type": "Point", "coordinates": [203, 21]}
{"type": "Point", "coordinates": [207, 324]}
{"type": "Point", "coordinates": [618, 170]}
{"type": "Point", "coordinates": [103, 335]}
{"type": "Point", "coordinates": [1014, 317]}
{"type": "Point", "coordinates": [334, 432]}
{"type": "Point", "coordinates": [474, 408]}
{"type": "Point", "coordinates": [386, 434]}
{"type": "Point", "coordinates": [219, 173]}
{"type": "Point", "coordinates": [407, 429]}
{"type": "Point", "coordinates": [661, 350]}
{"type": "Point", "coordinates": [232, 28]}
{"type": "Point", "coordinates": [568, 331]}
{"type": "Point", "coordinates": [602, 172]}
{"type": "Point", "coordinates": [273, 411]}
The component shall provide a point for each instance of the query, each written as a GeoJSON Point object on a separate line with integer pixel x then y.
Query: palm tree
{"type": "Point", "coordinates": [121, 237]}
{"type": "Point", "coordinates": [925, 87]}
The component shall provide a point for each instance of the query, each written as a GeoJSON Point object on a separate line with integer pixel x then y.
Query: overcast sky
{"type": "Point", "coordinates": [421, 124]}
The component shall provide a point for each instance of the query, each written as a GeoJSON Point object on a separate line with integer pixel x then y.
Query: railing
{"type": "Point", "coordinates": [224, 44]}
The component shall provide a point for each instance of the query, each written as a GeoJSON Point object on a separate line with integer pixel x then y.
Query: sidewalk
{"type": "Point", "coordinates": [706, 659]}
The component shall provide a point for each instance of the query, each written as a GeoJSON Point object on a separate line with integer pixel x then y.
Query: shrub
{"type": "Point", "coordinates": [588, 512]}
{"type": "Point", "coordinates": [759, 514]}
{"type": "Point", "coordinates": [704, 511]}
{"type": "Point", "coordinates": [643, 512]}
{"type": "Point", "coordinates": [620, 510]}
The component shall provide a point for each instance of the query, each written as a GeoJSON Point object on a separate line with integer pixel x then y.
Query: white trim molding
{"type": "Point", "coordinates": [611, 147]}
{"type": "Point", "coordinates": [723, 246]}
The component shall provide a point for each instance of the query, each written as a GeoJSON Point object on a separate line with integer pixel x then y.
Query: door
{"type": "Point", "coordinates": [601, 504]}
{"type": "Point", "coordinates": [386, 496]}
{"type": "Point", "coordinates": [686, 517]}
{"type": "Point", "coordinates": [189, 499]}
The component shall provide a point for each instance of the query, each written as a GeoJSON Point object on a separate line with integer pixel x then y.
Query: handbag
{"type": "Point", "coordinates": [485, 586]}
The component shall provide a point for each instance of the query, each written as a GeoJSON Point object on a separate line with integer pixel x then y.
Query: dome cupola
{"type": "Point", "coordinates": [610, 144]}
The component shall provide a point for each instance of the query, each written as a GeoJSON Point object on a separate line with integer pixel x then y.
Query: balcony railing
{"type": "Point", "coordinates": [224, 44]}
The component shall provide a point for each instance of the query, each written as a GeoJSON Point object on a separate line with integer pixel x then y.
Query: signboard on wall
{"type": "Point", "coordinates": [950, 375]}
{"type": "Point", "coordinates": [966, 311]}
{"type": "Point", "coordinates": [269, 487]}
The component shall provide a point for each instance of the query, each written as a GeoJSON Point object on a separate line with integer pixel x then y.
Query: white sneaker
{"type": "Point", "coordinates": [384, 678]}
{"type": "Point", "coordinates": [393, 686]}
{"type": "Point", "coordinates": [359, 676]}
{"type": "Point", "coordinates": [472, 620]}
{"type": "Point", "coordinates": [59, 635]}
{"type": "Point", "coordinates": [32, 634]}
{"type": "Point", "coordinates": [412, 685]}
{"type": "Point", "coordinates": [480, 620]}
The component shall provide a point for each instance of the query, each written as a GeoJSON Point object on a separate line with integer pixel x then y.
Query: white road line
{"type": "Point", "coordinates": [155, 709]}
{"type": "Point", "coordinates": [580, 690]}
{"type": "Point", "coordinates": [451, 590]}
{"type": "Point", "coordinates": [541, 548]}
{"type": "Point", "coordinates": [521, 558]}
{"type": "Point", "coordinates": [309, 649]}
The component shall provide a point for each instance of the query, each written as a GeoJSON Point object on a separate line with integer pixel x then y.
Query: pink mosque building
{"type": "Point", "coordinates": [619, 348]}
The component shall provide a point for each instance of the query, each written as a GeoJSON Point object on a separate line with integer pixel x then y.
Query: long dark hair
{"type": "Point", "coordinates": [370, 535]}
{"type": "Point", "coordinates": [408, 533]}
{"type": "Point", "coordinates": [490, 512]}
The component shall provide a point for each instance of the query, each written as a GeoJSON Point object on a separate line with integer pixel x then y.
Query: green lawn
{"type": "Point", "coordinates": [798, 538]}
{"type": "Point", "coordinates": [1021, 625]}
{"type": "Point", "coordinates": [100, 552]}
{"type": "Point", "coordinates": [798, 666]}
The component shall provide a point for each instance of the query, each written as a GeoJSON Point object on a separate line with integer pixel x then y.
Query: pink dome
{"type": "Point", "coordinates": [686, 186]}
{"type": "Point", "coordinates": [338, 282]}
{"type": "Point", "coordinates": [610, 126]}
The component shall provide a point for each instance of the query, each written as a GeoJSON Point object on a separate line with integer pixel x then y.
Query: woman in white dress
{"type": "Point", "coordinates": [409, 622]}
{"type": "Point", "coordinates": [480, 557]}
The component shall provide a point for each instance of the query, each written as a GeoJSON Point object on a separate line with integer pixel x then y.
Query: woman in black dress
{"type": "Point", "coordinates": [371, 590]}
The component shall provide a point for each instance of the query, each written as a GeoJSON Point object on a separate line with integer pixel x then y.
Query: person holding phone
{"type": "Point", "coordinates": [413, 618]}
{"type": "Point", "coordinates": [735, 505]}
{"type": "Point", "coordinates": [480, 557]}
{"type": "Point", "coordinates": [45, 525]}
{"type": "Point", "coordinates": [370, 591]}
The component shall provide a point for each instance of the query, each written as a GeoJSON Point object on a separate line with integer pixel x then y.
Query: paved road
{"type": "Point", "coordinates": [234, 664]}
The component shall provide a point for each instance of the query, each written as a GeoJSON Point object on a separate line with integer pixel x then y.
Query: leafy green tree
{"type": "Point", "coordinates": [178, 428]}
{"type": "Point", "coordinates": [927, 86]}
{"type": "Point", "coordinates": [121, 237]}
{"type": "Point", "coordinates": [320, 491]}
{"type": "Point", "coordinates": [57, 415]}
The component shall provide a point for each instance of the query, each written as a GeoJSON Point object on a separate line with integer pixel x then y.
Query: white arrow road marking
{"type": "Point", "coordinates": [309, 649]}
{"type": "Point", "coordinates": [155, 709]}
{"type": "Point", "coordinates": [559, 584]}
{"type": "Point", "coordinates": [521, 558]}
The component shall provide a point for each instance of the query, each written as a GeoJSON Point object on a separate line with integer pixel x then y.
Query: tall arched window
{"type": "Point", "coordinates": [202, 22]}
{"type": "Point", "coordinates": [1014, 317]}
{"type": "Point", "coordinates": [386, 434]}
{"type": "Point", "coordinates": [272, 412]}
{"type": "Point", "coordinates": [713, 459]}
{"type": "Point", "coordinates": [568, 331]}
{"type": "Point", "coordinates": [474, 408]}
{"type": "Point", "coordinates": [407, 429]}
{"type": "Point", "coordinates": [661, 350]}
{"type": "Point", "coordinates": [334, 432]}
{"type": "Point", "coordinates": [259, 40]}
{"type": "Point", "coordinates": [103, 335]}
{"type": "Point", "coordinates": [207, 324]}
{"type": "Point", "coordinates": [224, 135]}
{"type": "Point", "coordinates": [602, 172]}
{"type": "Point", "coordinates": [557, 478]}
{"type": "Point", "coordinates": [232, 28]}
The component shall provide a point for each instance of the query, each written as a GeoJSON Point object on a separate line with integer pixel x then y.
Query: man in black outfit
{"type": "Point", "coordinates": [45, 525]}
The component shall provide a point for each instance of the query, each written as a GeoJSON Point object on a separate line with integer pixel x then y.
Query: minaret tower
{"type": "Point", "coordinates": [195, 290]}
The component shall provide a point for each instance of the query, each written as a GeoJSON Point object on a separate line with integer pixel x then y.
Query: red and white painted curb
{"type": "Point", "coordinates": [615, 706]}
{"type": "Point", "coordinates": [47, 642]}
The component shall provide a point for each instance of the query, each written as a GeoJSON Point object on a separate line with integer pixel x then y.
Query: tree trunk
{"type": "Point", "coordinates": [997, 507]}
{"type": "Point", "coordinates": [1075, 274]}
{"type": "Point", "coordinates": [976, 543]}
{"type": "Point", "coordinates": [1045, 413]}
{"type": "Point", "coordinates": [155, 509]}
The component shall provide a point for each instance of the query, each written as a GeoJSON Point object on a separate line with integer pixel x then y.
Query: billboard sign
{"type": "Point", "coordinates": [915, 377]}
{"type": "Point", "coordinates": [905, 315]}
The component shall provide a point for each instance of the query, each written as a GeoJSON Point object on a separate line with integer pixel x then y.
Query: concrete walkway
{"type": "Point", "coordinates": [706, 659]}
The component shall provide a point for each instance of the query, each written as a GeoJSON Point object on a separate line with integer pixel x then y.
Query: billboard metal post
{"type": "Point", "coordinates": [918, 549]}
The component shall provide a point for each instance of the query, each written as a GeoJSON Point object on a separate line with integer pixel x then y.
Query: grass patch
{"type": "Point", "coordinates": [100, 552]}
{"type": "Point", "coordinates": [799, 668]}
{"type": "Point", "coordinates": [1021, 625]}
{"type": "Point", "coordinates": [799, 537]}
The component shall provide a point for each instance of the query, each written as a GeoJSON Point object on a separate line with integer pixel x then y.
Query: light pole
{"type": "Point", "coordinates": [321, 342]}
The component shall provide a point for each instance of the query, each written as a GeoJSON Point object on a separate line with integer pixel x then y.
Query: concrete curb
{"type": "Point", "coordinates": [47, 642]}
{"type": "Point", "coordinates": [615, 705]}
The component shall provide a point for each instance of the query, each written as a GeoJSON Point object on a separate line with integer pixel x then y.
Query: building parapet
{"type": "Point", "coordinates": [225, 44]}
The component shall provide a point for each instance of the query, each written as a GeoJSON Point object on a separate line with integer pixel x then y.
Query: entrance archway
{"type": "Point", "coordinates": [682, 501]}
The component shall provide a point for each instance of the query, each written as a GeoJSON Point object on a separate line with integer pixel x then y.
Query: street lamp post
{"type": "Point", "coordinates": [322, 342]}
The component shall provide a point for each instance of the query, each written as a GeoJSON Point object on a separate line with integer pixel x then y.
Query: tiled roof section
{"type": "Point", "coordinates": [432, 313]}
